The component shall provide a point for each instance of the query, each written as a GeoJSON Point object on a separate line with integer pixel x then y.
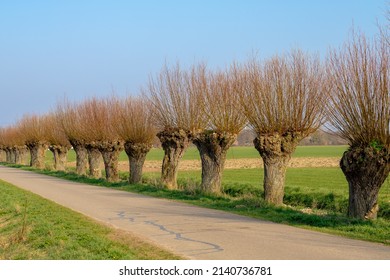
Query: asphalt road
{"type": "Point", "coordinates": [194, 232]}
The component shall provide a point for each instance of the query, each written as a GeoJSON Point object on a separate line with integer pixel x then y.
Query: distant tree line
{"type": "Point", "coordinates": [283, 100]}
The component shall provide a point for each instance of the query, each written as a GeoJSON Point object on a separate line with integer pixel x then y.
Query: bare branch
{"type": "Point", "coordinates": [285, 94]}
{"type": "Point", "coordinates": [359, 107]}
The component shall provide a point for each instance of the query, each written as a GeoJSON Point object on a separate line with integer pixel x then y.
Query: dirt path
{"type": "Point", "coordinates": [194, 232]}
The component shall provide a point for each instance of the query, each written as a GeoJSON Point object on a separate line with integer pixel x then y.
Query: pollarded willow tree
{"type": "Point", "coordinates": [136, 128]}
{"type": "Point", "coordinates": [71, 122]}
{"type": "Point", "coordinates": [177, 115]}
{"type": "Point", "coordinates": [100, 132]}
{"type": "Point", "coordinates": [359, 112]}
{"type": "Point", "coordinates": [19, 150]}
{"type": "Point", "coordinates": [3, 153]}
{"type": "Point", "coordinates": [33, 129]}
{"type": "Point", "coordinates": [88, 116]}
{"type": "Point", "coordinates": [7, 136]}
{"type": "Point", "coordinates": [220, 95]}
{"type": "Point", "coordinates": [59, 144]}
{"type": "Point", "coordinates": [284, 102]}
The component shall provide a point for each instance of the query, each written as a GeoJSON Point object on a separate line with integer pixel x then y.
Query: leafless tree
{"type": "Point", "coordinates": [59, 144]}
{"type": "Point", "coordinates": [33, 129]}
{"type": "Point", "coordinates": [16, 140]}
{"type": "Point", "coordinates": [359, 111]}
{"type": "Point", "coordinates": [11, 144]}
{"type": "Point", "coordinates": [3, 153]}
{"type": "Point", "coordinates": [87, 134]}
{"type": "Point", "coordinates": [100, 132]}
{"type": "Point", "coordinates": [284, 102]}
{"type": "Point", "coordinates": [71, 123]}
{"type": "Point", "coordinates": [4, 145]}
{"type": "Point", "coordinates": [177, 115]}
{"type": "Point", "coordinates": [220, 105]}
{"type": "Point", "coordinates": [136, 127]}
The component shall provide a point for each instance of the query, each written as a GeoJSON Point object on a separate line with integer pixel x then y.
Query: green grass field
{"type": "Point", "coordinates": [318, 188]}
{"type": "Point", "coordinates": [233, 153]}
{"type": "Point", "coordinates": [250, 152]}
{"type": "Point", "coordinates": [34, 228]}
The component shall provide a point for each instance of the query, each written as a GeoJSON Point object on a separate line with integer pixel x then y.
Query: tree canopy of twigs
{"type": "Point", "coordinates": [99, 119]}
{"type": "Point", "coordinates": [135, 122]}
{"type": "Point", "coordinates": [221, 101]}
{"type": "Point", "coordinates": [55, 133]}
{"type": "Point", "coordinates": [285, 93]}
{"type": "Point", "coordinates": [175, 99]}
{"type": "Point", "coordinates": [359, 107]}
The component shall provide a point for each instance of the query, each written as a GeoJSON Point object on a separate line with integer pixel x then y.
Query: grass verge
{"type": "Point", "coordinates": [320, 205]}
{"type": "Point", "coordinates": [32, 227]}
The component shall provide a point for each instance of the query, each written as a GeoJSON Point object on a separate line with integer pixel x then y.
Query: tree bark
{"type": "Point", "coordinates": [21, 155]}
{"type": "Point", "coordinates": [60, 154]}
{"type": "Point", "coordinates": [213, 148]}
{"type": "Point", "coordinates": [366, 169]}
{"type": "Point", "coordinates": [37, 152]}
{"type": "Point", "coordinates": [110, 152]}
{"type": "Point", "coordinates": [136, 152]}
{"type": "Point", "coordinates": [94, 160]}
{"type": "Point", "coordinates": [3, 155]}
{"type": "Point", "coordinates": [276, 151]}
{"type": "Point", "coordinates": [8, 155]}
{"type": "Point", "coordinates": [11, 157]}
{"type": "Point", "coordinates": [174, 143]}
{"type": "Point", "coordinates": [81, 157]}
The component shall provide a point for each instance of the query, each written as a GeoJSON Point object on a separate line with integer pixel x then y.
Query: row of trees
{"type": "Point", "coordinates": [283, 99]}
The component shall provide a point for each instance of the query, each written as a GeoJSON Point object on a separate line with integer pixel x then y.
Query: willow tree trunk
{"type": "Point", "coordinates": [136, 152]}
{"type": "Point", "coordinates": [11, 156]}
{"type": "Point", "coordinates": [21, 155]}
{"type": "Point", "coordinates": [366, 169]}
{"type": "Point", "coordinates": [37, 152]}
{"type": "Point", "coordinates": [81, 157]}
{"type": "Point", "coordinates": [276, 151]}
{"type": "Point", "coordinates": [212, 148]}
{"type": "Point", "coordinates": [60, 154]}
{"type": "Point", "coordinates": [8, 155]}
{"type": "Point", "coordinates": [3, 156]}
{"type": "Point", "coordinates": [174, 143]}
{"type": "Point", "coordinates": [110, 152]}
{"type": "Point", "coordinates": [94, 161]}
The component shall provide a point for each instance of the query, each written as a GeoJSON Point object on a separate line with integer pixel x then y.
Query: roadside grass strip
{"type": "Point", "coordinates": [32, 227]}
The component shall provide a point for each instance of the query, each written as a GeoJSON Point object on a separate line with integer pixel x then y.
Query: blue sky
{"type": "Point", "coordinates": [49, 49]}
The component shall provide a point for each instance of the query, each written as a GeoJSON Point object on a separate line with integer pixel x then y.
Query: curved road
{"type": "Point", "coordinates": [194, 232]}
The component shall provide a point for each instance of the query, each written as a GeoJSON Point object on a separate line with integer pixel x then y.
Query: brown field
{"type": "Point", "coordinates": [248, 163]}
{"type": "Point", "coordinates": [185, 165]}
